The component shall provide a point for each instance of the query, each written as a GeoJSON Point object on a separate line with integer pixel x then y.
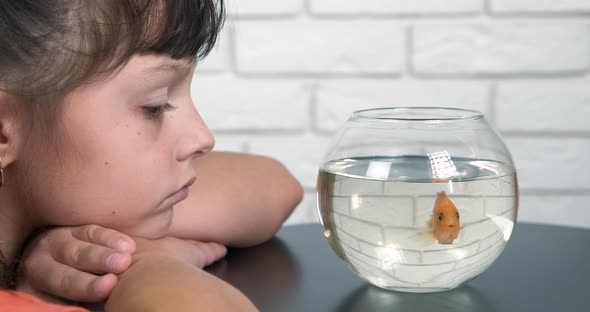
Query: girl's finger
{"type": "Point", "coordinates": [206, 253]}
{"type": "Point", "coordinates": [105, 237]}
{"type": "Point", "coordinates": [92, 258]}
{"type": "Point", "coordinates": [67, 282]}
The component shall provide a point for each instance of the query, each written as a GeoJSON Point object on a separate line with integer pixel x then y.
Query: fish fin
{"type": "Point", "coordinates": [424, 238]}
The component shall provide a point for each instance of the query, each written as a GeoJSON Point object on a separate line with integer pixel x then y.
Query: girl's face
{"type": "Point", "coordinates": [124, 150]}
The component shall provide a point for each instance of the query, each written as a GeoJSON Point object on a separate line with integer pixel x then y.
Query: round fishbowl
{"type": "Point", "coordinates": [418, 199]}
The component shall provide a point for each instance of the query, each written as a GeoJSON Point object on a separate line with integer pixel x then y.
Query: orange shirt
{"type": "Point", "coordinates": [13, 301]}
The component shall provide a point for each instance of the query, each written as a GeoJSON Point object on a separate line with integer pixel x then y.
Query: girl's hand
{"type": "Point", "coordinates": [75, 263]}
{"type": "Point", "coordinates": [198, 254]}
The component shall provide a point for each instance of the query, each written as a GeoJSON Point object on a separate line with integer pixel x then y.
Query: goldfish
{"type": "Point", "coordinates": [444, 225]}
{"type": "Point", "coordinates": [445, 222]}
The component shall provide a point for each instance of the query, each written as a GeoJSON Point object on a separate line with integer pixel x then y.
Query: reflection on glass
{"type": "Point", "coordinates": [462, 299]}
{"type": "Point", "coordinates": [442, 166]}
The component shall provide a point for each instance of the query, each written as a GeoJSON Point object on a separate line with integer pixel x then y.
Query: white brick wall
{"type": "Point", "coordinates": [319, 47]}
{"type": "Point", "coordinates": [264, 8]}
{"type": "Point", "coordinates": [501, 48]}
{"type": "Point", "coordinates": [393, 7]}
{"type": "Point", "coordinates": [551, 163]}
{"type": "Point", "coordinates": [286, 74]}
{"type": "Point", "coordinates": [543, 107]}
{"type": "Point", "coordinates": [234, 104]}
{"type": "Point", "coordinates": [337, 99]}
{"type": "Point", "coordinates": [540, 6]}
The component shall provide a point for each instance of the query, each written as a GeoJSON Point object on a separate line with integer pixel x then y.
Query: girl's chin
{"type": "Point", "coordinates": [151, 227]}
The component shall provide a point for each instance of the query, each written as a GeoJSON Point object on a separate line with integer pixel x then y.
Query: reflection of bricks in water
{"type": "Point", "coordinates": [437, 267]}
{"type": "Point", "coordinates": [383, 243]}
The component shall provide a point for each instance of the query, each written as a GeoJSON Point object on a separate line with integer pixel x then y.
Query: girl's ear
{"type": "Point", "coordinates": [10, 136]}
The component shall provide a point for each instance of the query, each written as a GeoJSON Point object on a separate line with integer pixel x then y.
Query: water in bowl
{"type": "Point", "coordinates": [377, 213]}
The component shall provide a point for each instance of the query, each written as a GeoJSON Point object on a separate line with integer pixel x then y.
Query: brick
{"type": "Point", "coordinates": [336, 217]}
{"type": "Point", "coordinates": [301, 155]}
{"type": "Point", "coordinates": [361, 230]}
{"type": "Point", "coordinates": [540, 6]}
{"type": "Point", "coordinates": [551, 163]}
{"type": "Point", "coordinates": [473, 266]}
{"type": "Point", "coordinates": [491, 242]}
{"type": "Point", "coordinates": [505, 223]}
{"type": "Point", "coordinates": [407, 238]}
{"type": "Point", "coordinates": [450, 255]}
{"type": "Point", "coordinates": [264, 8]}
{"type": "Point", "coordinates": [336, 100]}
{"type": "Point", "coordinates": [500, 205]}
{"type": "Point", "coordinates": [403, 189]}
{"type": "Point", "coordinates": [501, 48]}
{"type": "Point", "coordinates": [373, 273]}
{"type": "Point", "coordinates": [232, 104]}
{"type": "Point", "coordinates": [361, 187]}
{"type": "Point", "coordinates": [421, 274]}
{"type": "Point", "coordinates": [334, 187]}
{"type": "Point", "coordinates": [394, 7]}
{"type": "Point", "coordinates": [477, 231]}
{"type": "Point", "coordinates": [387, 211]}
{"type": "Point", "coordinates": [365, 259]}
{"type": "Point", "coordinates": [349, 241]}
{"type": "Point", "coordinates": [337, 186]}
{"type": "Point", "coordinates": [390, 255]}
{"type": "Point", "coordinates": [341, 205]}
{"type": "Point", "coordinates": [554, 106]}
{"type": "Point", "coordinates": [471, 209]}
{"type": "Point", "coordinates": [503, 186]}
{"type": "Point", "coordinates": [326, 47]}
{"type": "Point", "coordinates": [555, 209]}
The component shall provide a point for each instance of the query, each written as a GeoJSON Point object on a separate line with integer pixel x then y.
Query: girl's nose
{"type": "Point", "coordinates": [198, 140]}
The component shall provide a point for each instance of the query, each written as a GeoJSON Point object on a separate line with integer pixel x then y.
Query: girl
{"type": "Point", "coordinates": [98, 132]}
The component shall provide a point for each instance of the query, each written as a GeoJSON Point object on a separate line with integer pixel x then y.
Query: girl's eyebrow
{"type": "Point", "coordinates": [166, 68]}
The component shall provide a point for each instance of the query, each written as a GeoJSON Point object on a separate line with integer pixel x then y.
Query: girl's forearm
{"type": "Point", "coordinates": [157, 282]}
{"type": "Point", "coordinates": [237, 200]}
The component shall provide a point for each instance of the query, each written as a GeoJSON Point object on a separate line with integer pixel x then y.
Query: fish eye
{"type": "Point", "coordinates": [440, 216]}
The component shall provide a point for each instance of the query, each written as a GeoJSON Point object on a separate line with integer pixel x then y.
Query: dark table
{"type": "Point", "coordinates": [543, 268]}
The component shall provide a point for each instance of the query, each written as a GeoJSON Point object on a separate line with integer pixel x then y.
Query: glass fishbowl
{"type": "Point", "coordinates": [417, 199]}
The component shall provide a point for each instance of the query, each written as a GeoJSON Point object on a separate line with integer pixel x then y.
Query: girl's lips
{"type": "Point", "coordinates": [190, 182]}
{"type": "Point", "coordinates": [179, 195]}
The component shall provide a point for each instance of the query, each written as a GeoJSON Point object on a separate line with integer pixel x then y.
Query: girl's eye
{"type": "Point", "coordinates": [440, 216]}
{"type": "Point", "coordinates": [155, 112]}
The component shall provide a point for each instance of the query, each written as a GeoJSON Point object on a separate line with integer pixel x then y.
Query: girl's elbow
{"type": "Point", "coordinates": [296, 195]}
{"type": "Point", "coordinates": [292, 195]}
{"type": "Point", "coordinates": [289, 194]}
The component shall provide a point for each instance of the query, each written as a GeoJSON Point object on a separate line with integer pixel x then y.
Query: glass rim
{"type": "Point", "coordinates": [418, 113]}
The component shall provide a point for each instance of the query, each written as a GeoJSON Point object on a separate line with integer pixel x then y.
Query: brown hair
{"type": "Point", "coordinates": [52, 46]}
